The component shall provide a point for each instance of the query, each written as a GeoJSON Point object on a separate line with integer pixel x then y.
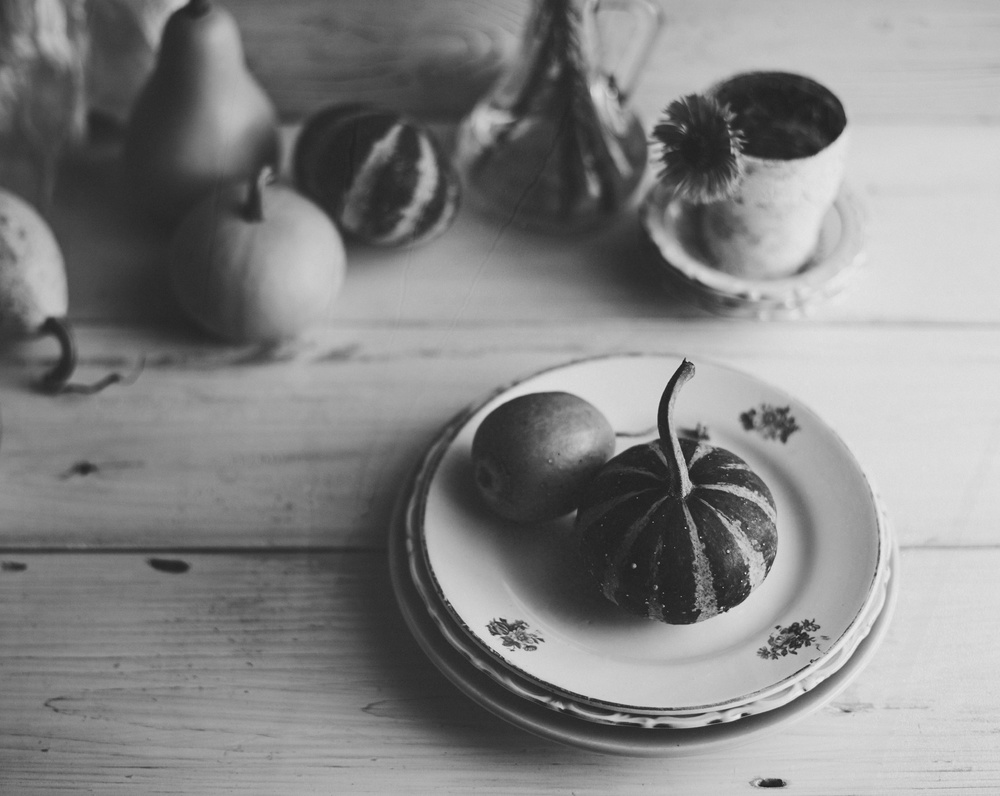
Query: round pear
{"type": "Point", "coordinates": [534, 455]}
{"type": "Point", "coordinates": [256, 262]}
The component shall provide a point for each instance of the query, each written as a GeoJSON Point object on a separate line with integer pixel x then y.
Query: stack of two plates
{"type": "Point", "coordinates": [509, 616]}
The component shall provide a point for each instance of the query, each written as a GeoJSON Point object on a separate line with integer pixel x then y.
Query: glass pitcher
{"type": "Point", "coordinates": [553, 146]}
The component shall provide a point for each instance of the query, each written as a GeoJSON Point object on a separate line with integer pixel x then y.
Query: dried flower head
{"type": "Point", "coordinates": [701, 149]}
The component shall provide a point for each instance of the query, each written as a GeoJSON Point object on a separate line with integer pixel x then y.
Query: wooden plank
{"type": "Point", "coordinates": [295, 673]}
{"type": "Point", "coordinates": [932, 61]}
{"type": "Point", "coordinates": [308, 446]}
{"type": "Point", "coordinates": [929, 194]}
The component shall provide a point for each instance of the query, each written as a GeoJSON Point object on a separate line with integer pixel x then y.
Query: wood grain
{"type": "Point", "coordinates": [923, 62]}
{"type": "Point", "coordinates": [931, 61]}
{"type": "Point", "coordinates": [294, 673]}
{"type": "Point", "coordinates": [930, 196]}
{"type": "Point", "coordinates": [307, 446]}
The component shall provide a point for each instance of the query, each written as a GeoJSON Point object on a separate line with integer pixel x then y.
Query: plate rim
{"type": "Point", "coordinates": [439, 447]}
{"type": "Point", "coordinates": [577, 733]}
{"type": "Point", "coordinates": [508, 676]}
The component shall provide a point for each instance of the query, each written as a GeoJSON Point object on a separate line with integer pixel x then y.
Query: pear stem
{"type": "Point", "coordinates": [680, 478]}
{"type": "Point", "coordinates": [253, 208]}
{"type": "Point", "coordinates": [198, 8]}
{"type": "Point", "coordinates": [57, 380]}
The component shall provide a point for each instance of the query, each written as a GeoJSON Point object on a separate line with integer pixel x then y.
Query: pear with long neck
{"type": "Point", "coordinates": [201, 119]}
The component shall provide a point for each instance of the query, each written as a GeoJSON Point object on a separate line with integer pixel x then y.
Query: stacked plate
{"type": "Point", "coordinates": [507, 613]}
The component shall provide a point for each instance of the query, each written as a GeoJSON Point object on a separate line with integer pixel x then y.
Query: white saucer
{"type": "Point", "coordinates": [521, 599]}
{"type": "Point", "coordinates": [465, 673]}
{"type": "Point", "coordinates": [671, 226]}
{"type": "Point", "coordinates": [529, 690]}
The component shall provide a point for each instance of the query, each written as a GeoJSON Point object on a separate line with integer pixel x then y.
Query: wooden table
{"type": "Point", "coordinates": [193, 569]}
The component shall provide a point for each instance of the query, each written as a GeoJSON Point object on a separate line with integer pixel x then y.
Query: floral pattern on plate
{"type": "Point", "coordinates": [771, 422]}
{"type": "Point", "coordinates": [515, 634]}
{"type": "Point", "coordinates": [789, 640]}
{"type": "Point", "coordinates": [687, 730]}
{"type": "Point", "coordinates": [831, 558]}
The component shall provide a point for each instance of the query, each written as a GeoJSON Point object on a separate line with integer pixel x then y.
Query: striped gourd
{"type": "Point", "coordinates": [381, 177]}
{"type": "Point", "coordinates": [676, 529]}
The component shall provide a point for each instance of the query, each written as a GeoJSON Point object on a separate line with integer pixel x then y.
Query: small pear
{"type": "Point", "coordinates": [533, 455]}
{"type": "Point", "coordinates": [201, 118]}
{"type": "Point", "coordinates": [34, 296]}
{"type": "Point", "coordinates": [256, 262]}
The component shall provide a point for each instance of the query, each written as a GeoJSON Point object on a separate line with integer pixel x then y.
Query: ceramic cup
{"type": "Point", "coordinates": [795, 148]}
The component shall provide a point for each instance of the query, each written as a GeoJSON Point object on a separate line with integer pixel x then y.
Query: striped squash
{"type": "Point", "coordinates": [381, 177]}
{"type": "Point", "coordinates": [676, 529]}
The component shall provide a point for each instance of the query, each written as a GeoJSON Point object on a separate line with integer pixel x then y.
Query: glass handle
{"type": "Point", "coordinates": [621, 35]}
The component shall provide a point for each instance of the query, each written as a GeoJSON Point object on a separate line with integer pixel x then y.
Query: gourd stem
{"type": "Point", "coordinates": [253, 207]}
{"type": "Point", "coordinates": [57, 380]}
{"type": "Point", "coordinates": [681, 479]}
{"type": "Point", "coordinates": [53, 381]}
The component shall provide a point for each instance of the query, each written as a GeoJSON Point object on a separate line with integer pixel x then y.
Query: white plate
{"type": "Point", "coordinates": [519, 593]}
{"type": "Point", "coordinates": [537, 693]}
{"type": "Point", "coordinates": [671, 226]}
{"type": "Point", "coordinates": [534, 692]}
{"type": "Point", "coordinates": [431, 633]}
